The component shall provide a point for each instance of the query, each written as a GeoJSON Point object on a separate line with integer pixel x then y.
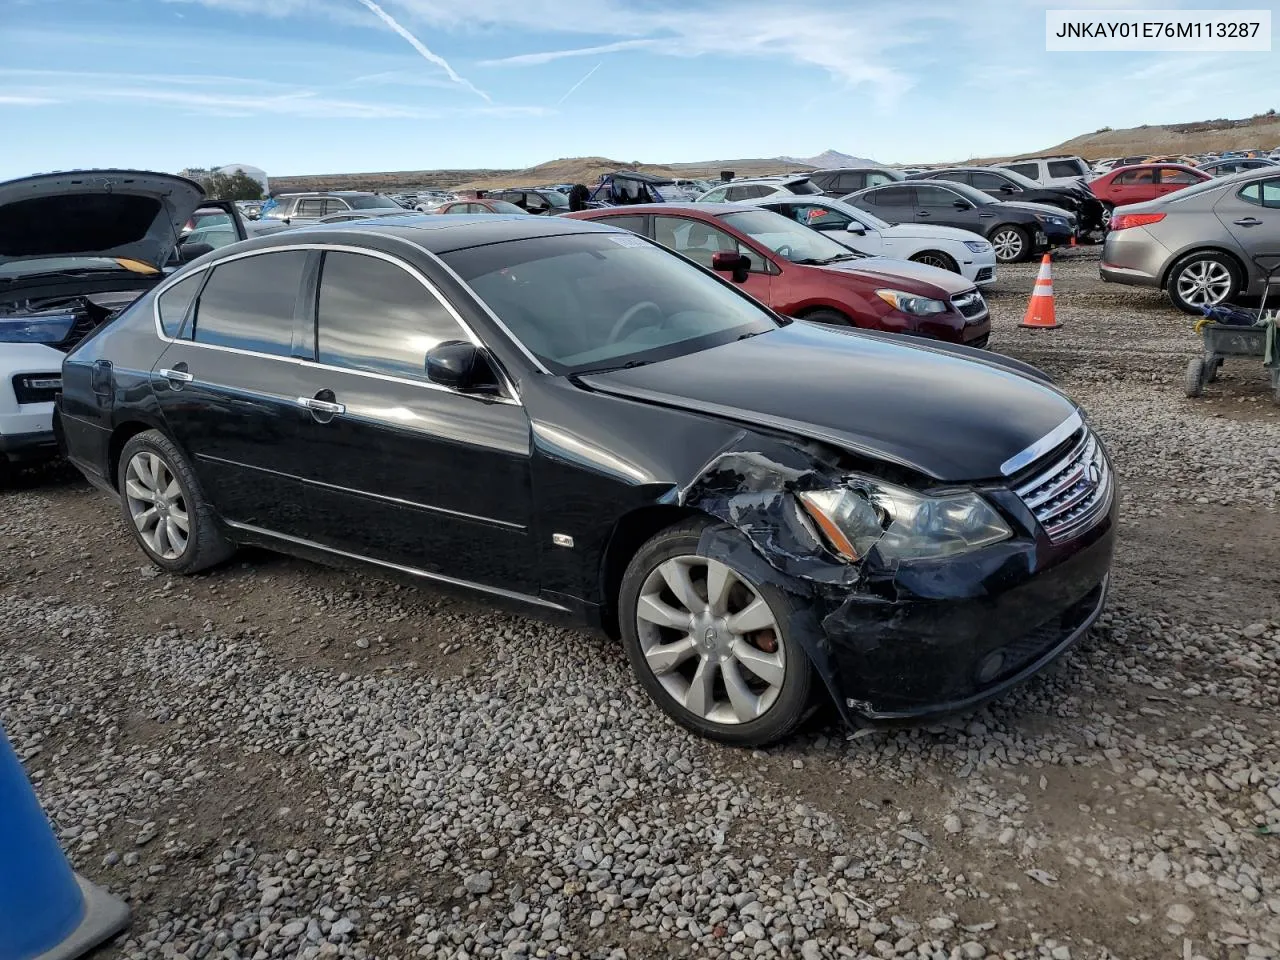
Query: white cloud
{"type": "Point", "coordinates": [568, 93]}
{"type": "Point", "coordinates": [547, 56]}
{"type": "Point", "coordinates": [22, 100]}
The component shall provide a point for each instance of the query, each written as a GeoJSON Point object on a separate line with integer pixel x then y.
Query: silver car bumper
{"type": "Point", "coordinates": [1133, 256]}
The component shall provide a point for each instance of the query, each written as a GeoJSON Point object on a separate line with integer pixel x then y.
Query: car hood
{"type": "Point", "coordinates": [122, 214]}
{"type": "Point", "coordinates": [950, 418]}
{"type": "Point", "coordinates": [888, 270]}
{"type": "Point", "coordinates": [926, 231]}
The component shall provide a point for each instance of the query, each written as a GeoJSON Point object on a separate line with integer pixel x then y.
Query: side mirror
{"type": "Point", "coordinates": [855, 227]}
{"type": "Point", "coordinates": [962, 204]}
{"type": "Point", "coordinates": [460, 366]}
{"type": "Point", "coordinates": [737, 264]}
{"type": "Point", "coordinates": [192, 251]}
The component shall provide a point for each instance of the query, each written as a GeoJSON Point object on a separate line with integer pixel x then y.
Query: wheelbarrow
{"type": "Point", "coordinates": [1230, 331]}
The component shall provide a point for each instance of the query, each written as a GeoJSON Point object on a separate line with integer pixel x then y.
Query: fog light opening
{"type": "Point", "coordinates": [990, 667]}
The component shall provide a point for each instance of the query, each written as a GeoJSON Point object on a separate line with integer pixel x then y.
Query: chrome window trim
{"type": "Point", "coordinates": [413, 271]}
{"type": "Point", "coordinates": [412, 571]}
{"type": "Point", "coordinates": [1042, 446]}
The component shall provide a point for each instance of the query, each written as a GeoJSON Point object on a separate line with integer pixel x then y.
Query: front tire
{"type": "Point", "coordinates": [712, 647]}
{"type": "Point", "coordinates": [164, 507]}
{"type": "Point", "coordinates": [1011, 243]}
{"type": "Point", "coordinates": [936, 258]}
{"type": "Point", "coordinates": [1203, 279]}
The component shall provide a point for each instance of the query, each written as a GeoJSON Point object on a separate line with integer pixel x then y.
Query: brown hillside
{"type": "Point", "coordinates": [1175, 138]}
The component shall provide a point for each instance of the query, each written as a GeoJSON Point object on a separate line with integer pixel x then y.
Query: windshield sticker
{"type": "Point", "coordinates": [629, 240]}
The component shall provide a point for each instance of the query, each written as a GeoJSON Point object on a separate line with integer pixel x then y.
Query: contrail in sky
{"type": "Point", "coordinates": [580, 83]}
{"type": "Point", "coordinates": [421, 47]}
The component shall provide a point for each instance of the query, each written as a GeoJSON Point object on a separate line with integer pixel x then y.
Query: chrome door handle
{"type": "Point", "coordinates": [322, 406]}
{"type": "Point", "coordinates": [1247, 222]}
{"type": "Point", "coordinates": [177, 376]}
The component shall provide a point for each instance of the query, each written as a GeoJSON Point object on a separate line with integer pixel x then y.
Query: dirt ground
{"type": "Point", "coordinates": [277, 744]}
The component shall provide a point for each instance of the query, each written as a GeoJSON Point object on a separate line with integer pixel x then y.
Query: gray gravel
{"type": "Point", "coordinates": [278, 760]}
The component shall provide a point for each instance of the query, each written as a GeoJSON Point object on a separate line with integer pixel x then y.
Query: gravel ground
{"type": "Point", "coordinates": [280, 760]}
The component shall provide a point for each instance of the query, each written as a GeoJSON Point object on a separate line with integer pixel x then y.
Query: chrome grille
{"type": "Point", "coordinates": [1071, 495]}
{"type": "Point", "coordinates": [970, 304]}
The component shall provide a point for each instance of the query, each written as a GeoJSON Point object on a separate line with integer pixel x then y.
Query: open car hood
{"type": "Point", "coordinates": [124, 214]}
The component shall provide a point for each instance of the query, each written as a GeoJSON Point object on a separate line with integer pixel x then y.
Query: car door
{"type": "Point", "coordinates": [1251, 214]}
{"type": "Point", "coordinates": [700, 242]}
{"type": "Point", "coordinates": [895, 204]}
{"type": "Point", "coordinates": [1132, 186]}
{"type": "Point", "coordinates": [398, 469]}
{"type": "Point", "coordinates": [945, 208]}
{"type": "Point", "coordinates": [1171, 179]}
{"type": "Point", "coordinates": [227, 388]}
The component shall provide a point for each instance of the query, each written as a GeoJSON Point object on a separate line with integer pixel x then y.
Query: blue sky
{"type": "Point", "coordinates": [315, 86]}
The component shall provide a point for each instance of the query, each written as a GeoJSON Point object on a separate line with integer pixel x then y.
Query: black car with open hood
{"type": "Point", "coordinates": [571, 419]}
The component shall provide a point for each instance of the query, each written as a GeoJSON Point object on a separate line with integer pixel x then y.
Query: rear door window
{"type": "Point", "coordinates": [850, 182]}
{"type": "Point", "coordinates": [309, 208]}
{"type": "Point", "coordinates": [173, 303]}
{"type": "Point", "coordinates": [894, 197]}
{"type": "Point", "coordinates": [1263, 193]}
{"type": "Point", "coordinates": [988, 182]}
{"type": "Point", "coordinates": [1031, 170]}
{"type": "Point", "coordinates": [1182, 177]}
{"type": "Point", "coordinates": [373, 315]}
{"type": "Point", "coordinates": [1065, 168]}
{"type": "Point", "coordinates": [929, 196]}
{"type": "Point", "coordinates": [248, 304]}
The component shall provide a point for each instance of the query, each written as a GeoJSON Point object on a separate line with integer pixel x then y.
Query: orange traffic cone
{"type": "Point", "coordinates": [1040, 313]}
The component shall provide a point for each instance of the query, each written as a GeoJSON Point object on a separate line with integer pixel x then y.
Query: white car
{"type": "Point", "coordinates": [959, 251]}
{"type": "Point", "coordinates": [750, 189]}
{"type": "Point", "coordinates": [83, 246]}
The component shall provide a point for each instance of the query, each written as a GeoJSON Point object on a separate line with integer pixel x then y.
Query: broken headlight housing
{"type": "Point", "coordinates": [864, 513]}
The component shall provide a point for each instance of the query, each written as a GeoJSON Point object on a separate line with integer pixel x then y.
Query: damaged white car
{"type": "Point", "coordinates": [76, 249]}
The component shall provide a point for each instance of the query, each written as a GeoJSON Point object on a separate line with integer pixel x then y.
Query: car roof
{"type": "Point", "coordinates": [436, 234]}
{"type": "Point", "coordinates": [1153, 165]}
{"type": "Point", "coordinates": [636, 210]}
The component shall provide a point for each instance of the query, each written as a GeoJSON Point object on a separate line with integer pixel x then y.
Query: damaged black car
{"type": "Point", "coordinates": [576, 422]}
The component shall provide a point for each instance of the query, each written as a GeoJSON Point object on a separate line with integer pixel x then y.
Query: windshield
{"type": "Point", "coordinates": [972, 194]}
{"type": "Point", "coordinates": [35, 265]}
{"type": "Point", "coordinates": [554, 198]}
{"type": "Point", "coordinates": [786, 238]}
{"type": "Point", "coordinates": [583, 303]}
{"type": "Point", "coordinates": [862, 216]}
{"type": "Point", "coordinates": [371, 202]}
{"type": "Point", "coordinates": [504, 206]}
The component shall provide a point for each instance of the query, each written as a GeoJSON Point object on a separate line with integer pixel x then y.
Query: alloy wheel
{"type": "Point", "coordinates": [710, 639]}
{"type": "Point", "coordinates": [1204, 283]}
{"type": "Point", "coordinates": [1007, 244]}
{"type": "Point", "coordinates": [933, 260]}
{"type": "Point", "coordinates": [157, 505]}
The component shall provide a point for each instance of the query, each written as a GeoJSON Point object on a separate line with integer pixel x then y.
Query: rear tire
{"type": "Point", "coordinates": [1203, 279]}
{"type": "Point", "coordinates": [936, 258]}
{"type": "Point", "coordinates": [711, 647]}
{"type": "Point", "coordinates": [833, 317]}
{"type": "Point", "coordinates": [164, 507]}
{"type": "Point", "coordinates": [1011, 243]}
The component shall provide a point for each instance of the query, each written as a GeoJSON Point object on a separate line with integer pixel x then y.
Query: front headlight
{"type": "Point", "coordinates": [911, 302]}
{"type": "Point", "coordinates": [38, 328]}
{"type": "Point", "coordinates": [1051, 220]}
{"type": "Point", "coordinates": [977, 246]}
{"type": "Point", "coordinates": [865, 514]}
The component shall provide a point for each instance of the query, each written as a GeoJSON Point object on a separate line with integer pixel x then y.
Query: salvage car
{"type": "Point", "coordinates": [801, 273]}
{"type": "Point", "coordinates": [946, 248]}
{"type": "Point", "coordinates": [1199, 244]}
{"type": "Point", "coordinates": [1001, 184]}
{"type": "Point", "coordinates": [1017, 230]}
{"type": "Point", "coordinates": [1138, 184]}
{"type": "Point", "coordinates": [569, 419]}
{"type": "Point", "coordinates": [76, 249]}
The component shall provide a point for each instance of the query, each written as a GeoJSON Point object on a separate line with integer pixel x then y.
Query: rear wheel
{"type": "Point", "coordinates": [834, 317]}
{"type": "Point", "coordinates": [1011, 243]}
{"type": "Point", "coordinates": [164, 507]}
{"type": "Point", "coordinates": [711, 646]}
{"type": "Point", "coordinates": [936, 258]}
{"type": "Point", "coordinates": [1203, 279]}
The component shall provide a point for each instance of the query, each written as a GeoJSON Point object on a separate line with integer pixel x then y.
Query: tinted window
{"type": "Point", "coordinates": [1066, 168]}
{"type": "Point", "coordinates": [309, 208]}
{"type": "Point", "coordinates": [927, 196]}
{"type": "Point", "coordinates": [634, 224]}
{"type": "Point", "coordinates": [893, 197]}
{"type": "Point", "coordinates": [173, 303]}
{"type": "Point", "coordinates": [820, 218]}
{"type": "Point", "coordinates": [849, 182]}
{"type": "Point", "coordinates": [803, 188]}
{"type": "Point", "coordinates": [374, 202]}
{"type": "Point", "coordinates": [1265, 193]}
{"type": "Point", "coordinates": [1133, 178]}
{"type": "Point", "coordinates": [373, 315]}
{"type": "Point", "coordinates": [248, 303]}
{"type": "Point", "coordinates": [875, 179]}
{"type": "Point", "coordinates": [1026, 169]}
{"type": "Point", "coordinates": [959, 176]}
{"type": "Point", "coordinates": [736, 193]}
{"type": "Point", "coordinates": [987, 181]}
{"type": "Point", "coordinates": [333, 205]}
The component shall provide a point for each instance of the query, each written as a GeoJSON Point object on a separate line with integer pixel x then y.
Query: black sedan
{"type": "Point", "coordinates": [568, 418]}
{"type": "Point", "coordinates": [1000, 184]}
{"type": "Point", "coordinates": [1017, 231]}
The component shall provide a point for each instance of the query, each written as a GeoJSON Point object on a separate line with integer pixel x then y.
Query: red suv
{"type": "Point", "coordinates": [1144, 181]}
{"type": "Point", "coordinates": [800, 273]}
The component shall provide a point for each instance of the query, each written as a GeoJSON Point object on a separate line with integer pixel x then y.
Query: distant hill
{"type": "Point", "coordinates": [1200, 137]}
{"type": "Point", "coordinates": [832, 158]}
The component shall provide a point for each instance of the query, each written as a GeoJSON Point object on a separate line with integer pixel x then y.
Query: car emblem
{"type": "Point", "coordinates": [710, 635]}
